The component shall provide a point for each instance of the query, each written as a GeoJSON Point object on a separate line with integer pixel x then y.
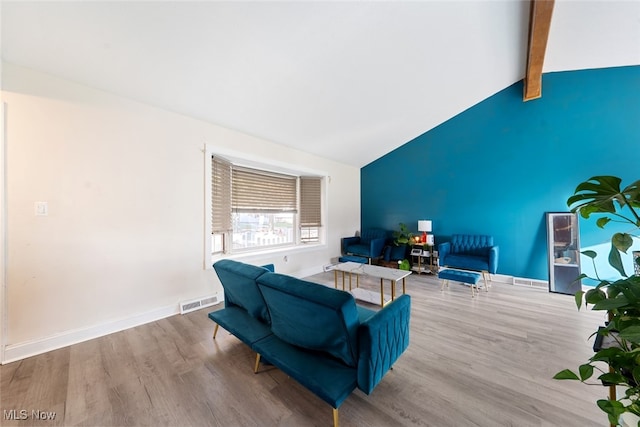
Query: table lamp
{"type": "Point", "coordinates": [424, 225]}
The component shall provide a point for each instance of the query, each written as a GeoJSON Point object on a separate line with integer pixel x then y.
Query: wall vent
{"type": "Point", "coordinates": [532, 283]}
{"type": "Point", "coordinates": [329, 267]}
{"type": "Point", "coordinates": [196, 304]}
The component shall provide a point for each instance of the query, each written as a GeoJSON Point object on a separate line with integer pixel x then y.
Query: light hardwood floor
{"type": "Point", "coordinates": [484, 361]}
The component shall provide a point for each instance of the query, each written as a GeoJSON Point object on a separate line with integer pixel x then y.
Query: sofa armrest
{"type": "Point", "coordinates": [444, 249]}
{"type": "Point", "coordinates": [348, 241]}
{"type": "Point", "coordinates": [381, 341]}
{"type": "Point", "coordinates": [493, 259]}
{"type": "Point", "coordinates": [376, 247]}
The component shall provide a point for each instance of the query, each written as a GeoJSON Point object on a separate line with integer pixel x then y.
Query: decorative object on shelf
{"type": "Point", "coordinates": [619, 298]}
{"type": "Point", "coordinates": [424, 225]}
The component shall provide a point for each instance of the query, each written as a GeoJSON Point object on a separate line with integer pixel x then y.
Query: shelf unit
{"type": "Point", "coordinates": [424, 261]}
{"type": "Point", "coordinates": [563, 240]}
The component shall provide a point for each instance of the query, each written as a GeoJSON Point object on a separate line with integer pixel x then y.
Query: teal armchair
{"type": "Point", "coordinates": [369, 244]}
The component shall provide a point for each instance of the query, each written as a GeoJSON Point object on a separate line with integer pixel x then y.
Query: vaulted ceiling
{"type": "Point", "coordinates": [349, 81]}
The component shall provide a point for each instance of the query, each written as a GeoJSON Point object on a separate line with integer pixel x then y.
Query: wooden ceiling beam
{"type": "Point", "coordinates": [539, 24]}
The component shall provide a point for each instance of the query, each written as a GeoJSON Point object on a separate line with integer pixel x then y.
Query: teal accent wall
{"type": "Point", "coordinates": [499, 166]}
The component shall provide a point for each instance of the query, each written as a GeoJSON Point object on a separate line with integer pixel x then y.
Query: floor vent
{"type": "Point", "coordinates": [196, 304]}
{"type": "Point", "coordinates": [533, 283]}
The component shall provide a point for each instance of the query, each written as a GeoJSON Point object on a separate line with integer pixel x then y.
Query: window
{"type": "Point", "coordinates": [310, 209]}
{"type": "Point", "coordinates": [255, 209]}
{"type": "Point", "coordinates": [220, 203]}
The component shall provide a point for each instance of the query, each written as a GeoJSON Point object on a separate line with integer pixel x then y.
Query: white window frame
{"type": "Point", "coordinates": [248, 160]}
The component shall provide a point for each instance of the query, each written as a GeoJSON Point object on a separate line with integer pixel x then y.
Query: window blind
{"type": "Point", "coordinates": [260, 191]}
{"type": "Point", "coordinates": [220, 195]}
{"type": "Point", "coordinates": [310, 197]}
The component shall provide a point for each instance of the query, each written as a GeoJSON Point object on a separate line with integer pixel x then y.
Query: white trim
{"type": "Point", "coordinates": [206, 202]}
{"type": "Point", "coordinates": [501, 278]}
{"type": "Point", "coordinates": [26, 349]}
{"type": "Point", "coordinates": [3, 234]}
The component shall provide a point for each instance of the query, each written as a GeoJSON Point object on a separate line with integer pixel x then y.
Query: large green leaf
{"type": "Point", "coordinates": [633, 193]}
{"type": "Point", "coordinates": [622, 241]}
{"type": "Point", "coordinates": [594, 296]}
{"type": "Point", "coordinates": [606, 354]}
{"type": "Point", "coordinates": [578, 297]}
{"type": "Point", "coordinates": [596, 195]}
{"type": "Point", "coordinates": [586, 371]}
{"type": "Point", "coordinates": [613, 408]}
{"type": "Point", "coordinates": [631, 333]}
{"type": "Point", "coordinates": [566, 374]}
{"type": "Point", "coordinates": [611, 303]}
{"type": "Point", "coordinates": [613, 378]}
{"type": "Point", "coordinates": [615, 260]}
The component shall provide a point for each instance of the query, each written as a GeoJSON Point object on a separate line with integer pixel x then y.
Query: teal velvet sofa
{"type": "Point", "coordinates": [470, 252]}
{"type": "Point", "coordinates": [315, 334]}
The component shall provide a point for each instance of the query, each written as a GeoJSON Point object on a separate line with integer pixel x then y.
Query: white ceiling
{"type": "Point", "coordinates": [349, 81]}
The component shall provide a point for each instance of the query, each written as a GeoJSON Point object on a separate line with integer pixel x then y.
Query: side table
{"type": "Point", "coordinates": [424, 261]}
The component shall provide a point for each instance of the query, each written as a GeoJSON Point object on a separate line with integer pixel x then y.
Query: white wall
{"type": "Point", "coordinates": [124, 182]}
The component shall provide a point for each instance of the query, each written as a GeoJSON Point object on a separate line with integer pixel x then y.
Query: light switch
{"type": "Point", "coordinates": [42, 209]}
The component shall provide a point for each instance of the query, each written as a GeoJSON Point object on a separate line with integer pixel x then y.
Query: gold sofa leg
{"type": "Point", "coordinates": [215, 331]}
{"type": "Point", "coordinates": [257, 365]}
{"type": "Point", "coordinates": [335, 417]}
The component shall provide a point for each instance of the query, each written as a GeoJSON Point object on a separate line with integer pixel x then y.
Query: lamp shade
{"type": "Point", "coordinates": [424, 225]}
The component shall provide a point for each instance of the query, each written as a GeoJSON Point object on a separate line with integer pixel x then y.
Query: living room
{"type": "Point", "coordinates": [122, 241]}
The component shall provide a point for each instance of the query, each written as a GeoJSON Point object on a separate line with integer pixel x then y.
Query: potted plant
{"type": "Point", "coordinates": [616, 364]}
{"type": "Point", "coordinates": [402, 238]}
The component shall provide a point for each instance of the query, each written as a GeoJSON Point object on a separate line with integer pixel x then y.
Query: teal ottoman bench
{"type": "Point", "coordinates": [467, 277]}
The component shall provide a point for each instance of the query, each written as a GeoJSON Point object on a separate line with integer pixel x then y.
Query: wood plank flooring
{"type": "Point", "coordinates": [483, 361]}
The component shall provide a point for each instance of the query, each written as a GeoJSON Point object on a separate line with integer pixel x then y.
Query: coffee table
{"type": "Point", "coordinates": [350, 269]}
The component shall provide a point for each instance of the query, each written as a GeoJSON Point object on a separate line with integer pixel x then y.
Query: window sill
{"type": "Point", "coordinates": [308, 247]}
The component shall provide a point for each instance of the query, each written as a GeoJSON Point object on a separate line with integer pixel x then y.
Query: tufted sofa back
{"type": "Point", "coordinates": [368, 234]}
{"type": "Point", "coordinates": [471, 244]}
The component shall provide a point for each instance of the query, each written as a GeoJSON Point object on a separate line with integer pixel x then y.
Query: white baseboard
{"type": "Point", "coordinates": [501, 278]}
{"type": "Point", "coordinates": [19, 351]}
{"type": "Point", "coordinates": [316, 269]}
